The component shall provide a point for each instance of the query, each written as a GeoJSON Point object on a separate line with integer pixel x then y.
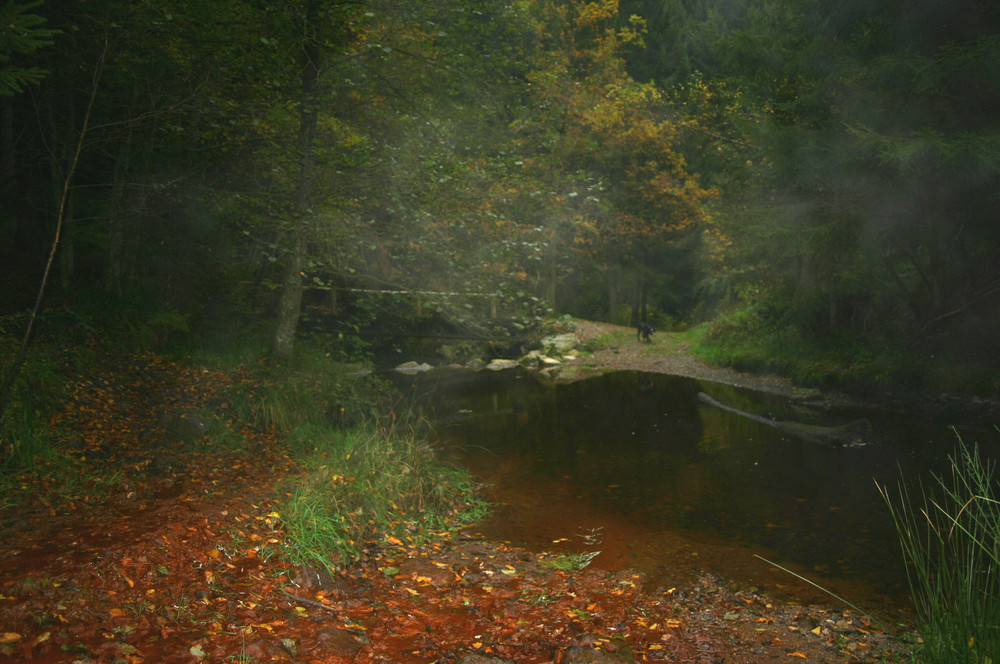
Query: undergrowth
{"type": "Point", "coordinates": [950, 537]}
{"type": "Point", "coordinates": [745, 342]}
{"type": "Point", "coordinates": [26, 440]}
{"type": "Point", "coordinates": [369, 476]}
{"type": "Point", "coordinates": [370, 484]}
{"type": "Point", "coordinates": [314, 389]}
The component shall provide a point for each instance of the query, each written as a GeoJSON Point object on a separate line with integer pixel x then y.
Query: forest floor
{"type": "Point", "coordinates": [172, 553]}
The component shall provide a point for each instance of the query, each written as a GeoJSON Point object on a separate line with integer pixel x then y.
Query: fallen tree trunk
{"type": "Point", "coordinates": [852, 434]}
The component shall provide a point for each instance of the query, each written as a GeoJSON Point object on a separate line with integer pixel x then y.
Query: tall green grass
{"type": "Point", "coordinates": [26, 440]}
{"type": "Point", "coordinates": [313, 389]}
{"type": "Point", "coordinates": [950, 539]}
{"type": "Point", "coordinates": [371, 484]}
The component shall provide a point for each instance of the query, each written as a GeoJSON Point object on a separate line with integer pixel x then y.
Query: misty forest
{"type": "Point", "coordinates": [814, 181]}
{"type": "Point", "coordinates": [222, 224]}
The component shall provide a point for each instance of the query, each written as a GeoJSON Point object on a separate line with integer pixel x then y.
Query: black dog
{"type": "Point", "coordinates": [644, 331]}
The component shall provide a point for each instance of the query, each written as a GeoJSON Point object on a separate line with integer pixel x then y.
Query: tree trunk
{"type": "Point", "coordinates": [550, 277]}
{"type": "Point", "coordinates": [67, 250]}
{"type": "Point", "coordinates": [290, 303]}
{"type": "Point", "coordinates": [114, 271]}
{"type": "Point", "coordinates": [612, 299]}
{"type": "Point", "coordinates": [8, 178]}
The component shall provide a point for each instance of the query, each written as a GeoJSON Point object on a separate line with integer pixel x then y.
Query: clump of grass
{"type": "Point", "coordinates": [26, 440]}
{"type": "Point", "coordinates": [313, 389]}
{"type": "Point", "coordinates": [569, 562]}
{"type": "Point", "coordinates": [951, 544]}
{"type": "Point", "coordinates": [371, 484]}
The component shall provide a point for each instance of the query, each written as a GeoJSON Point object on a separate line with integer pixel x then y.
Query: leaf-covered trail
{"type": "Point", "coordinates": [173, 556]}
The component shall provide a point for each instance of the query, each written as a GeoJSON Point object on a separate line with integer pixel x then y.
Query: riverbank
{"type": "Point", "coordinates": [615, 347]}
{"type": "Point", "coordinates": [173, 553]}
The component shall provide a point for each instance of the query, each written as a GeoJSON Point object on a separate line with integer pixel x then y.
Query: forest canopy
{"type": "Point", "coordinates": [812, 174]}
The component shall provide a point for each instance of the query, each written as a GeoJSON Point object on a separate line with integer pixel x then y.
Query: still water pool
{"type": "Point", "coordinates": [635, 466]}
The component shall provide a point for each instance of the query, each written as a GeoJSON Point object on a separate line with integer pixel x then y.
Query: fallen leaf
{"type": "Point", "coordinates": [9, 637]}
{"type": "Point", "coordinates": [797, 654]}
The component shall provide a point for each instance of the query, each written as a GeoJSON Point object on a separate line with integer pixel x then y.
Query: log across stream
{"type": "Point", "coordinates": [853, 434]}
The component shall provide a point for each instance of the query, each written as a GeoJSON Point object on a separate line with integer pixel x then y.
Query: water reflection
{"type": "Point", "coordinates": [666, 478]}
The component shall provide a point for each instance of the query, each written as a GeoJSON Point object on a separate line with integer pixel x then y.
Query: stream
{"type": "Point", "coordinates": [635, 466]}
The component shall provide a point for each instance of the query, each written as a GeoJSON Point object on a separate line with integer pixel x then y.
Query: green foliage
{"type": "Point", "coordinates": [950, 539]}
{"type": "Point", "coordinates": [21, 34]}
{"type": "Point", "coordinates": [230, 341]}
{"type": "Point", "coordinates": [755, 338]}
{"type": "Point", "coordinates": [26, 440]}
{"type": "Point", "coordinates": [873, 204]}
{"type": "Point", "coordinates": [531, 157]}
{"type": "Point", "coordinates": [314, 389]}
{"type": "Point", "coordinates": [372, 485]}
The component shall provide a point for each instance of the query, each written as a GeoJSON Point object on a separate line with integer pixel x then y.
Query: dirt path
{"type": "Point", "coordinates": [175, 556]}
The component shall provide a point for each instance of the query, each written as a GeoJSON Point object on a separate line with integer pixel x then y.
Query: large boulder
{"type": "Point", "coordinates": [499, 364]}
{"type": "Point", "coordinates": [413, 367]}
{"type": "Point", "coordinates": [536, 359]}
{"type": "Point", "coordinates": [559, 345]}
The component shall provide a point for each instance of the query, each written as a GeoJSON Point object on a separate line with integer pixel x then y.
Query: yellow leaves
{"type": "Point", "coordinates": [634, 33]}
{"type": "Point", "coordinates": [797, 654]}
{"type": "Point", "coordinates": [592, 13]}
{"type": "Point", "coordinates": [9, 637]}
